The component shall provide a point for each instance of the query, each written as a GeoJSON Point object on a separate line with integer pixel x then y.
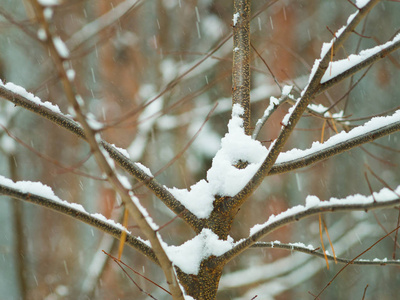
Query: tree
{"type": "Point", "coordinates": [156, 116]}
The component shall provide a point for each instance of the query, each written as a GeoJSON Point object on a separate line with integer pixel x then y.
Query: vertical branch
{"type": "Point", "coordinates": [241, 59]}
{"type": "Point", "coordinates": [20, 245]}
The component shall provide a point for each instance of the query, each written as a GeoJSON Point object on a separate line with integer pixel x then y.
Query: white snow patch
{"type": "Point", "coordinates": [60, 47]}
{"type": "Point", "coordinates": [70, 74]}
{"type": "Point", "coordinates": [122, 150]}
{"type": "Point", "coordinates": [235, 18]}
{"type": "Point", "coordinates": [361, 3]}
{"type": "Point", "coordinates": [49, 2]}
{"type": "Point", "coordinates": [144, 169]}
{"type": "Point", "coordinates": [24, 93]}
{"type": "Point", "coordinates": [223, 178]}
{"type": "Point", "coordinates": [189, 255]}
{"type": "Point", "coordinates": [42, 34]}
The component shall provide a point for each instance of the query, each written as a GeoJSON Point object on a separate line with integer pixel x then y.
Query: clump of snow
{"type": "Point", "coordinates": [48, 13]}
{"type": "Point", "coordinates": [235, 18]}
{"type": "Point", "coordinates": [42, 34]}
{"type": "Point", "coordinates": [301, 245]}
{"type": "Point", "coordinates": [24, 93]}
{"type": "Point", "coordinates": [70, 74]}
{"type": "Point", "coordinates": [361, 3]}
{"type": "Point", "coordinates": [285, 120]}
{"type": "Point", "coordinates": [312, 202]}
{"type": "Point", "coordinates": [93, 123]}
{"type": "Point", "coordinates": [273, 102]}
{"type": "Point", "coordinates": [286, 90]}
{"type": "Point", "coordinates": [37, 188]}
{"type": "Point", "coordinates": [60, 47]}
{"type": "Point", "coordinates": [144, 169]}
{"type": "Point", "coordinates": [189, 255]}
{"type": "Point", "coordinates": [122, 150]}
{"type": "Point", "coordinates": [124, 181]}
{"type": "Point", "coordinates": [49, 2]}
{"type": "Point", "coordinates": [223, 178]}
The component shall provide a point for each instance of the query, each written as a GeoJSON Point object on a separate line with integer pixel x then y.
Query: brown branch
{"type": "Point", "coordinates": [125, 163]}
{"type": "Point", "coordinates": [291, 218]}
{"type": "Point", "coordinates": [81, 216]}
{"type": "Point", "coordinates": [313, 252]}
{"type": "Point", "coordinates": [241, 60]}
{"type": "Point", "coordinates": [356, 68]}
{"type": "Point", "coordinates": [308, 94]}
{"type": "Point", "coordinates": [336, 149]}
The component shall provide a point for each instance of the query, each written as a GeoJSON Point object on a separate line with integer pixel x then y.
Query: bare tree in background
{"type": "Point", "coordinates": [153, 95]}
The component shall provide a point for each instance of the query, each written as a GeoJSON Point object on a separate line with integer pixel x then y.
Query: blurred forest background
{"type": "Point", "coordinates": [125, 55]}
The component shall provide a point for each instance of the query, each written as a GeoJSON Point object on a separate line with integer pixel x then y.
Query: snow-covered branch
{"type": "Point", "coordinates": [376, 128]}
{"type": "Point", "coordinates": [40, 194]}
{"type": "Point", "coordinates": [295, 113]}
{"type": "Point", "coordinates": [300, 247]}
{"type": "Point", "coordinates": [20, 97]}
{"type": "Point", "coordinates": [385, 198]}
{"type": "Point", "coordinates": [342, 69]}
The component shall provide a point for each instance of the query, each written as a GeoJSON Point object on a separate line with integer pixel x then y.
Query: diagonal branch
{"type": "Point", "coordinates": [384, 199]}
{"type": "Point", "coordinates": [313, 252]}
{"type": "Point", "coordinates": [78, 213]}
{"type": "Point", "coordinates": [304, 158]}
{"type": "Point", "coordinates": [20, 97]}
{"type": "Point", "coordinates": [385, 51]}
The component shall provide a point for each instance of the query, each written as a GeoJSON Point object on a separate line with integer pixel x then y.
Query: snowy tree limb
{"type": "Point", "coordinates": [346, 144]}
{"type": "Point", "coordinates": [352, 203]}
{"type": "Point", "coordinates": [385, 51]}
{"type": "Point", "coordinates": [313, 252]}
{"type": "Point", "coordinates": [124, 162]}
{"type": "Point", "coordinates": [308, 94]}
{"type": "Point", "coordinates": [80, 215]}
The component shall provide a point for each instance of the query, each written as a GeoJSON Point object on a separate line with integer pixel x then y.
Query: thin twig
{"type": "Point", "coordinates": [369, 248]}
